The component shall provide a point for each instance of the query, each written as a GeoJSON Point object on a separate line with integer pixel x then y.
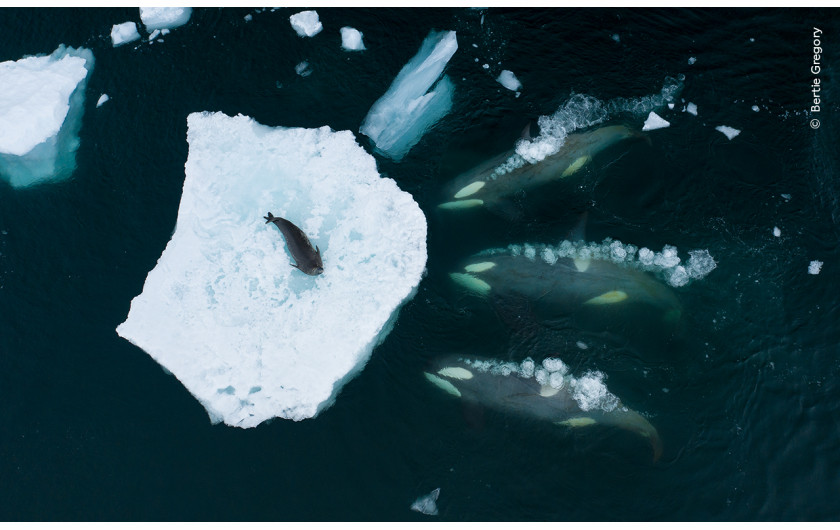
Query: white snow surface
{"type": "Point", "coordinates": [306, 23]}
{"type": "Point", "coordinates": [398, 119]}
{"type": "Point", "coordinates": [223, 310]}
{"type": "Point", "coordinates": [123, 33]}
{"type": "Point", "coordinates": [654, 121]}
{"type": "Point", "coordinates": [164, 17]}
{"type": "Point", "coordinates": [728, 131]}
{"type": "Point", "coordinates": [351, 39]}
{"type": "Point", "coordinates": [509, 80]}
{"type": "Point", "coordinates": [41, 107]}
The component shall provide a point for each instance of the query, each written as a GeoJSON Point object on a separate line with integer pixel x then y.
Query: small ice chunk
{"type": "Point", "coordinates": [691, 108]}
{"type": "Point", "coordinates": [427, 503]}
{"type": "Point", "coordinates": [41, 109]}
{"type": "Point", "coordinates": [654, 121]}
{"type": "Point", "coordinates": [249, 17]}
{"type": "Point", "coordinates": [306, 23]}
{"type": "Point", "coordinates": [692, 60]}
{"type": "Point", "coordinates": [164, 17]}
{"type": "Point", "coordinates": [616, 37]}
{"type": "Point", "coordinates": [225, 312]}
{"type": "Point", "coordinates": [124, 33]}
{"type": "Point", "coordinates": [776, 231]}
{"type": "Point", "coordinates": [509, 80]}
{"type": "Point", "coordinates": [728, 131]}
{"type": "Point", "coordinates": [154, 35]}
{"type": "Point", "coordinates": [351, 39]}
{"type": "Point", "coordinates": [814, 267]}
{"type": "Point", "coordinates": [398, 119]}
{"type": "Point", "coordinates": [102, 99]}
{"type": "Point", "coordinates": [671, 106]}
{"type": "Point", "coordinates": [755, 108]}
{"type": "Point", "coordinates": [302, 69]}
{"type": "Point", "coordinates": [582, 345]}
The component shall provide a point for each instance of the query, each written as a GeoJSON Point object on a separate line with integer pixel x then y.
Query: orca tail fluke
{"type": "Point", "coordinates": [268, 218]}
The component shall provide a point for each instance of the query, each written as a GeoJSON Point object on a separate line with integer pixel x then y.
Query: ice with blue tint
{"type": "Point", "coordinates": [351, 39]}
{"type": "Point", "coordinates": [416, 100]}
{"type": "Point", "coordinates": [223, 310]}
{"type": "Point", "coordinates": [427, 504]}
{"type": "Point", "coordinates": [306, 23]}
{"type": "Point", "coordinates": [164, 17]}
{"type": "Point", "coordinates": [124, 33]}
{"type": "Point", "coordinates": [509, 80]}
{"type": "Point", "coordinates": [41, 106]}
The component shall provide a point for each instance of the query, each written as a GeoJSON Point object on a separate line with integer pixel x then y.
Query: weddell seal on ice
{"type": "Point", "coordinates": [307, 258]}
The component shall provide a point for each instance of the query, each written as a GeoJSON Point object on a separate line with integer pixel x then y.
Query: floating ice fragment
{"type": "Point", "coordinates": [41, 110]}
{"type": "Point", "coordinates": [351, 39]}
{"type": "Point", "coordinates": [616, 37]}
{"type": "Point", "coordinates": [398, 119]}
{"type": "Point", "coordinates": [306, 23]}
{"type": "Point", "coordinates": [654, 121]}
{"type": "Point", "coordinates": [776, 231]}
{"type": "Point", "coordinates": [249, 17]}
{"type": "Point", "coordinates": [692, 60]}
{"type": "Point", "coordinates": [814, 267]}
{"type": "Point", "coordinates": [728, 131]}
{"type": "Point", "coordinates": [509, 80]}
{"type": "Point", "coordinates": [755, 108]}
{"type": "Point", "coordinates": [671, 106]}
{"type": "Point", "coordinates": [786, 196]}
{"type": "Point", "coordinates": [154, 35]}
{"type": "Point", "coordinates": [223, 309]}
{"type": "Point", "coordinates": [102, 99]}
{"type": "Point", "coordinates": [426, 504]}
{"type": "Point", "coordinates": [124, 33]}
{"type": "Point", "coordinates": [582, 345]}
{"type": "Point", "coordinates": [691, 108]}
{"type": "Point", "coordinates": [303, 69]}
{"type": "Point", "coordinates": [164, 17]}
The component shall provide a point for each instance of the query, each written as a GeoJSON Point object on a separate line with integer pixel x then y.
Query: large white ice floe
{"type": "Point", "coordinates": [164, 17]}
{"type": "Point", "coordinates": [249, 336]}
{"type": "Point", "coordinates": [416, 100]}
{"type": "Point", "coordinates": [41, 106]}
{"type": "Point", "coordinates": [509, 80]}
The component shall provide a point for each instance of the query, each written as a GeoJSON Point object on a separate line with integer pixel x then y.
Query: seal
{"type": "Point", "coordinates": [308, 258]}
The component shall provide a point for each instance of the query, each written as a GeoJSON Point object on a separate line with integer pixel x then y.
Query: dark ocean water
{"type": "Point", "coordinates": [745, 395]}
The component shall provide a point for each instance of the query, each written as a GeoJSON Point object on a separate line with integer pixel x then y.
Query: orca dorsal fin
{"type": "Point", "coordinates": [526, 132]}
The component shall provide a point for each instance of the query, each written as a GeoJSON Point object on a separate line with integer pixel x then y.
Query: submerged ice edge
{"type": "Point", "coordinates": [666, 263]}
{"type": "Point", "coordinates": [579, 112]}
